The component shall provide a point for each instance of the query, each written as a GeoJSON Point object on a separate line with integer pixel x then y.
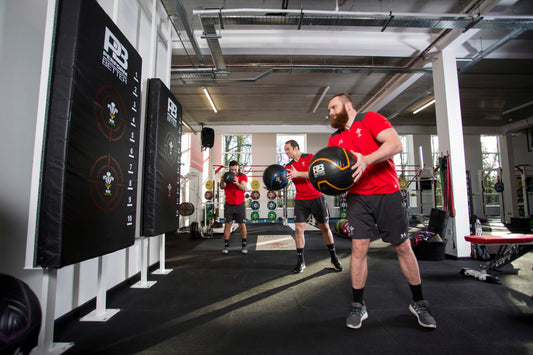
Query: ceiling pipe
{"type": "Point", "coordinates": [289, 68]}
{"type": "Point", "coordinates": [482, 54]}
{"type": "Point", "coordinates": [175, 8]}
{"type": "Point", "coordinates": [305, 67]}
{"type": "Point", "coordinates": [364, 15]}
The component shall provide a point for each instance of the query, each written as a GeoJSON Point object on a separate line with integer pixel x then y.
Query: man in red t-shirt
{"type": "Point", "coordinates": [234, 208]}
{"type": "Point", "coordinates": [375, 199]}
{"type": "Point", "coordinates": [307, 200]}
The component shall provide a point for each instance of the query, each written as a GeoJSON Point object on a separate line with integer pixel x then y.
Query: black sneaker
{"type": "Point", "coordinates": [357, 315]}
{"type": "Point", "coordinates": [336, 263]}
{"type": "Point", "coordinates": [421, 310]}
{"type": "Point", "coordinates": [300, 266]}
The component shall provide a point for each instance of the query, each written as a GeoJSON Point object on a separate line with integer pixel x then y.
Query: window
{"type": "Point", "coordinates": [401, 160]}
{"type": "Point", "coordinates": [435, 150]}
{"type": "Point", "coordinates": [281, 139]}
{"type": "Point", "coordinates": [490, 155]}
{"type": "Point", "coordinates": [238, 148]}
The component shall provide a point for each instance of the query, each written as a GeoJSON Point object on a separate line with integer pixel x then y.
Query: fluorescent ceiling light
{"type": "Point", "coordinates": [423, 107]}
{"type": "Point", "coordinates": [324, 91]}
{"type": "Point", "coordinates": [210, 99]}
{"type": "Point", "coordinates": [517, 108]}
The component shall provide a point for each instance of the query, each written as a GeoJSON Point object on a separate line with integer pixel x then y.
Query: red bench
{"type": "Point", "coordinates": [511, 248]}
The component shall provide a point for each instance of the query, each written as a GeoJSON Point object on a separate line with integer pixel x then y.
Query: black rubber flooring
{"type": "Point", "coordinates": [254, 304]}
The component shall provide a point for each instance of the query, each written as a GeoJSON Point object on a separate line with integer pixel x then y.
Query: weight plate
{"type": "Point", "coordinates": [255, 184]}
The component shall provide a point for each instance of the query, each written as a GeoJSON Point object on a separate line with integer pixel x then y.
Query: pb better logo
{"type": "Point", "coordinates": [118, 51]}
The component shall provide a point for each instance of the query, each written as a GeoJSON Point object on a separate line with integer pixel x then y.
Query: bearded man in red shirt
{"type": "Point", "coordinates": [375, 199]}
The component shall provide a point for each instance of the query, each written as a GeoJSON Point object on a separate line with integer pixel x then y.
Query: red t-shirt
{"type": "Point", "coordinates": [234, 195]}
{"type": "Point", "coordinates": [304, 189]}
{"type": "Point", "coordinates": [380, 178]}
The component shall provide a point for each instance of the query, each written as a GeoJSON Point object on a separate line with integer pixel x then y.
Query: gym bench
{"type": "Point", "coordinates": [512, 247]}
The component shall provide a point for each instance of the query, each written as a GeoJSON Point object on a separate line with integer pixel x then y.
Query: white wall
{"type": "Point", "coordinates": [22, 41]}
{"type": "Point", "coordinates": [316, 141]}
{"type": "Point", "coordinates": [521, 154]}
{"type": "Point", "coordinates": [21, 45]}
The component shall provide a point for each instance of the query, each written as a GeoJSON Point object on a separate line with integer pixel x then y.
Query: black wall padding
{"type": "Point", "coordinates": [208, 137]}
{"type": "Point", "coordinates": [88, 191]}
{"type": "Point", "coordinates": [162, 158]}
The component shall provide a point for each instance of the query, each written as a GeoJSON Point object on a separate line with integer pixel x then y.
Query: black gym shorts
{"type": "Point", "coordinates": [316, 206]}
{"type": "Point", "coordinates": [234, 212]}
{"type": "Point", "coordinates": [389, 212]}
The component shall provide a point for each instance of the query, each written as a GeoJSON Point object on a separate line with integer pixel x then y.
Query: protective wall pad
{"type": "Point", "coordinates": [162, 160]}
{"type": "Point", "coordinates": [89, 177]}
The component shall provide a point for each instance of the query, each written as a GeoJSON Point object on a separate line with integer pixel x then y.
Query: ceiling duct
{"type": "Point", "coordinates": [178, 17]}
{"type": "Point", "coordinates": [362, 19]}
{"type": "Point", "coordinates": [198, 77]}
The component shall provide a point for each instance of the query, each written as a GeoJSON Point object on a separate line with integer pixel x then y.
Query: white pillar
{"type": "Point", "coordinates": [450, 132]}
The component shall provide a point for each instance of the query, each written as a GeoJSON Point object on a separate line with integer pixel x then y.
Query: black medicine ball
{"type": "Point", "coordinates": [330, 171]}
{"type": "Point", "coordinates": [20, 316]}
{"type": "Point", "coordinates": [275, 177]}
{"type": "Point", "coordinates": [229, 177]}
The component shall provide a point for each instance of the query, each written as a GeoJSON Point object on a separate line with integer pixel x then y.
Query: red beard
{"type": "Point", "coordinates": [338, 121]}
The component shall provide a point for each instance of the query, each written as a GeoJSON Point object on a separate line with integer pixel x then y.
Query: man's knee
{"type": "Point", "coordinates": [360, 247]}
{"type": "Point", "coordinates": [403, 248]}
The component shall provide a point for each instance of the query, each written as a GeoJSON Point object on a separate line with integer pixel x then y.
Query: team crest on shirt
{"type": "Point", "coordinates": [358, 132]}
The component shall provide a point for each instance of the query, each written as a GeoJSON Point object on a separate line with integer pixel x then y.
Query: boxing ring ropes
{"type": "Point", "coordinates": [254, 173]}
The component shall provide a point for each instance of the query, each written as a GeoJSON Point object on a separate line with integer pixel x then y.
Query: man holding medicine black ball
{"type": "Point", "coordinates": [307, 200]}
{"type": "Point", "coordinates": [234, 186]}
{"type": "Point", "coordinates": [375, 199]}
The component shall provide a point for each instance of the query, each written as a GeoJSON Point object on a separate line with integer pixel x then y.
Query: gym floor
{"type": "Point", "coordinates": [254, 304]}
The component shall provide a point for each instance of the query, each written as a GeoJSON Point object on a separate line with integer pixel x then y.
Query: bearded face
{"type": "Point", "coordinates": [339, 120]}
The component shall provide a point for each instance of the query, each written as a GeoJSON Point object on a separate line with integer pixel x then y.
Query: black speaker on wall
{"type": "Point", "coordinates": [208, 137]}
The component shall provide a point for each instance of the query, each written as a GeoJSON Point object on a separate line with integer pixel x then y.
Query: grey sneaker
{"type": "Point", "coordinates": [421, 310]}
{"type": "Point", "coordinates": [357, 315]}
{"type": "Point", "coordinates": [336, 263]}
{"type": "Point", "coordinates": [244, 250]}
{"type": "Point", "coordinates": [225, 250]}
{"type": "Point", "coordinates": [300, 266]}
